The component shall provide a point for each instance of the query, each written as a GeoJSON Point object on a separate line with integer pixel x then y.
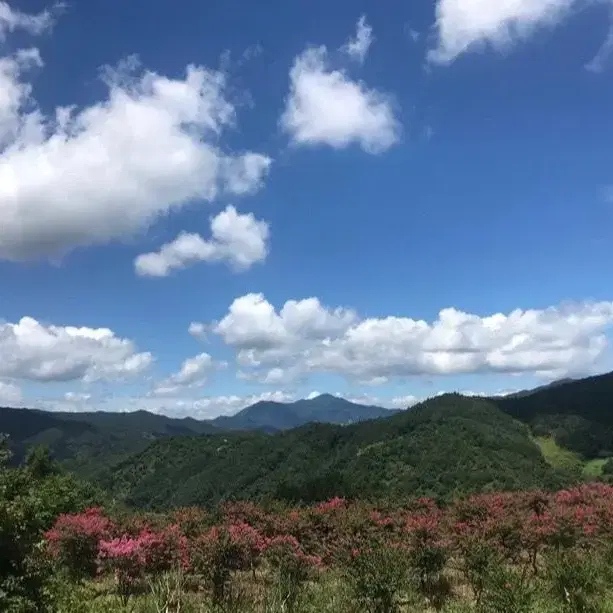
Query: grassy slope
{"type": "Point", "coordinates": [567, 460]}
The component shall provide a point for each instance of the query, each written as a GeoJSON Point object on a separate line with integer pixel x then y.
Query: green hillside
{"type": "Point", "coordinates": [446, 445]}
{"type": "Point", "coordinates": [578, 414]}
{"type": "Point", "coordinates": [90, 443]}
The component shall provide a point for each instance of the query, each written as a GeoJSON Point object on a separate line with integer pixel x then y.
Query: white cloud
{"type": "Point", "coordinates": [238, 239]}
{"type": "Point", "coordinates": [463, 25]}
{"type": "Point", "coordinates": [194, 372]}
{"type": "Point", "coordinates": [38, 352]}
{"type": "Point", "coordinates": [206, 408]}
{"type": "Point", "coordinates": [197, 330]}
{"type": "Point", "coordinates": [77, 397]}
{"type": "Point", "coordinates": [13, 93]}
{"type": "Point", "coordinates": [245, 174]}
{"type": "Point", "coordinates": [10, 394]}
{"type": "Point", "coordinates": [306, 337]}
{"type": "Point", "coordinates": [12, 19]}
{"type": "Point", "coordinates": [395, 402]}
{"type": "Point", "coordinates": [326, 107]}
{"type": "Point", "coordinates": [172, 404]}
{"type": "Point", "coordinates": [357, 48]}
{"type": "Point", "coordinates": [252, 324]}
{"type": "Point", "coordinates": [88, 176]}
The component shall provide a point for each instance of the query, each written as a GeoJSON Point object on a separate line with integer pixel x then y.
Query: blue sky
{"type": "Point", "coordinates": [379, 200]}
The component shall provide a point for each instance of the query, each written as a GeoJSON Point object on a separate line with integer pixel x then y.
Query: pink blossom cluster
{"type": "Point", "coordinates": [516, 526]}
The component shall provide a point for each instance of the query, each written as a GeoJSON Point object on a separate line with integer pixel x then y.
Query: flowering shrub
{"type": "Point", "coordinates": [292, 565]}
{"type": "Point", "coordinates": [150, 552]}
{"type": "Point", "coordinates": [124, 557]}
{"type": "Point", "coordinates": [73, 541]}
{"type": "Point", "coordinates": [223, 550]}
{"type": "Point", "coordinates": [498, 545]}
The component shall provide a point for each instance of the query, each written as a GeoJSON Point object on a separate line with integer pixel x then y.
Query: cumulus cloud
{"type": "Point", "coordinates": [326, 107]}
{"type": "Point", "coordinates": [357, 48]}
{"type": "Point", "coordinates": [307, 337]}
{"type": "Point", "coordinates": [87, 176]}
{"type": "Point", "coordinates": [197, 330]}
{"type": "Point", "coordinates": [12, 19]}
{"type": "Point", "coordinates": [253, 324]}
{"type": "Point", "coordinates": [194, 372]}
{"type": "Point", "coordinates": [10, 394]}
{"type": "Point", "coordinates": [38, 352]}
{"type": "Point", "coordinates": [463, 25]}
{"type": "Point", "coordinates": [240, 240]}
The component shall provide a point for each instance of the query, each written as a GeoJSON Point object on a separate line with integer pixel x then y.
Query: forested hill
{"type": "Point", "coordinates": [446, 445]}
{"type": "Point", "coordinates": [91, 443]}
{"type": "Point", "coordinates": [577, 414]}
{"type": "Point", "coordinates": [441, 444]}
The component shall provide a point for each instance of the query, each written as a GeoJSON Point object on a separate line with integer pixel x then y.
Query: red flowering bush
{"type": "Point", "coordinates": [191, 521]}
{"type": "Point", "coordinates": [500, 545]}
{"type": "Point", "coordinates": [163, 550]}
{"type": "Point", "coordinates": [428, 552]}
{"type": "Point", "coordinates": [293, 567]}
{"type": "Point", "coordinates": [123, 556]}
{"type": "Point", "coordinates": [223, 550]}
{"type": "Point", "coordinates": [150, 552]}
{"type": "Point", "coordinates": [73, 541]}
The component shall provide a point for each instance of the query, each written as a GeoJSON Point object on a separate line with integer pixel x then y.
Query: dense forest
{"type": "Point", "coordinates": [442, 447]}
{"type": "Point", "coordinates": [91, 443]}
{"type": "Point", "coordinates": [446, 445]}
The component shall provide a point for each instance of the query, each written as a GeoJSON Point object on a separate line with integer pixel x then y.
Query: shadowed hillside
{"type": "Point", "coordinates": [577, 414]}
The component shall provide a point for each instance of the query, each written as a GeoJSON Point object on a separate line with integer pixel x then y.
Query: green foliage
{"type": "Point", "coordinates": [576, 414]}
{"type": "Point", "coordinates": [507, 589]}
{"type": "Point", "coordinates": [447, 445]}
{"type": "Point", "coordinates": [378, 577]}
{"type": "Point", "coordinates": [31, 497]}
{"type": "Point", "coordinates": [558, 457]}
{"type": "Point", "coordinates": [576, 582]}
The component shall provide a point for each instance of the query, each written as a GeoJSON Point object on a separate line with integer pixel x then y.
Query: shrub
{"type": "Point", "coordinates": [507, 590]}
{"type": "Point", "coordinates": [576, 582]}
{"type": "Point", "coordinates": [73, 541]}
{"type": "Point", "coordinates": [428, 553]}
{"type": "Point", "coordinates": [294, 568]}
{"type": "Point", "coordinates": [378, 576]}
{"type": "Point", "coordinates": [223, 550]}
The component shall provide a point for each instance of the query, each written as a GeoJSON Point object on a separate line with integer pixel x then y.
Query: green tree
{"type": "Point", "coordinates": [31, 497]}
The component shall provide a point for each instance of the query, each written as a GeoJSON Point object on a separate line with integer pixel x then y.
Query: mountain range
{"type": "Point", "coordinates": [325, 446]}
{"type": "Point", "coordinates": [90, 442]}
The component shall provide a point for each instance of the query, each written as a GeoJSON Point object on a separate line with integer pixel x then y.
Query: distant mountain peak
{"type": "Point", "coordinates": [323, 397]}
{"type": "Point", "coordinates": [272, 416]}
